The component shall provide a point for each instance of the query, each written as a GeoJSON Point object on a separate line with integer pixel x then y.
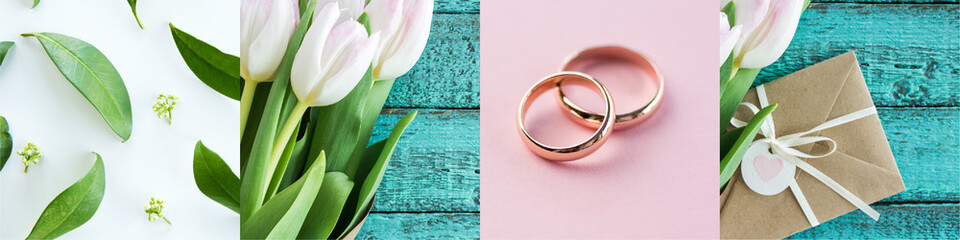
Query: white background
{"type": "Point", "coordinates": [42, 107]}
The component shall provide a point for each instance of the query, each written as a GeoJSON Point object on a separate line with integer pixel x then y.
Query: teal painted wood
{"type": "Point", "coordinates": [926, 145]}
{"type": "Point", "coordinates": [436, 165]}
{"type": "Point", "coordinates": [421, 226]}
{"type": "Point", "coordinates": [456, 6]}
{"type": "Point", "coordinates": [908, 52]}
{"type": "Point", "coordinates": [905, 221]}
{"type": "Point", "coordinates": [448, 73]}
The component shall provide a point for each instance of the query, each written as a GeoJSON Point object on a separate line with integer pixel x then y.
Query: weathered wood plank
{"type": "Point", "coordinates": [436, 166]}
{"type": "Point", "coordinates": [909, 53]}
{"type": "Point", "coordinates": [456, 6]}
{"type": "Point", "coordinates": [421, 226]}
{"type": "Point", "coordinates": [448, 73]}
{"type": "Point", "coordinates": [910, 221]}
{"type": "Point", "coordinates": [925, 143]}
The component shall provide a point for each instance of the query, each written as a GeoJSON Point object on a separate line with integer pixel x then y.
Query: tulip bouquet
{"type": "Point", "coordinates": [315, 76]}
{"type": "Point", "coordinates": [753, 34]}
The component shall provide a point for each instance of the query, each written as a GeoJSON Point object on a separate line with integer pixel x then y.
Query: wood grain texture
{"type": "Point", "coordinates": [909, 221]}
{"type": "Point", "coordinates": [926, 146]}
{"type": "Point", "coordinates": [908, 52]}
{"type": "Point", "coordinates": [436, 166]}
{"type": "Point", "coordinates": [456, 6]}
{"type": "Point", "coordinates": [448, 73]}
{"type": "Point", "coordinates": [421, 226]}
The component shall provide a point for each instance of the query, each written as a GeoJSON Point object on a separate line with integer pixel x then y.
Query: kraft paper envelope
{"type": "Point", "coordinates": [862, 163]}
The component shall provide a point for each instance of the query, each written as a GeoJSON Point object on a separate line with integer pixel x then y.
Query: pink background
{"type": "Point", "coordinates": [655, 180]}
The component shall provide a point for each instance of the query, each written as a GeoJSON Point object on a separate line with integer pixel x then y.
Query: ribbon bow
{"type": "Point", "coordinates": [784, 147]}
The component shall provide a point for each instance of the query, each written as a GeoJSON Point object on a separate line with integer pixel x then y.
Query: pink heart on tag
{"type": "Point", "coordinates": [768, 167]}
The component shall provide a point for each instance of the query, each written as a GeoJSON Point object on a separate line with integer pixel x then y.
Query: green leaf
{"type": "Point", "coordinates": [733, 93]}
{"type": "Point", "coordinates": [298, 157]}
{"type": "Point", "coordinates": [252, 185]}
{"type": "Point", "coordinates": [281, 166]}
{"type": "Point", "coordinates": [283, 215]}
{"type": "Point", "coordinates": [253, 121]}
{"type": "Point", "coordinates": [732, 159]}
{"type": "Point", "coordinates": [215, 68]}
{"type": "Point", "coordinates": [93, 75]}
{"type": "Point", "coordinates": [35, 2]}
{"type": "Point", "coordinates": [133, 7]}
{"type": "Point", "coordinates": [728, 139]}
{"type": "Point", "coordinates": [731, 10]}
{"type": "Point", "coordinates": [72, 207]}
{"type": "Point", "coordinates": [4, 49]}
{"type": "Point", "coordinates": [327, 208]}
{"type": "Point", "coordinates": [725, 71]}
{"type": "Point", "coordinates": [214, 178]}
{"type": "Point", "coordinates": [377, 157]}
{"type": "Point", "coordinates": [6, 142]}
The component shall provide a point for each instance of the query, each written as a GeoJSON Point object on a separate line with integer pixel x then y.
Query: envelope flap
{"type": "Point", "coordinates": [805, 97]}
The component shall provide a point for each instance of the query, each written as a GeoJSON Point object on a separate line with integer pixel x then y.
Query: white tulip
{"type": "Point", "coordinates": [728, 37]}
{"type": "Point", "coordinates": [768, 28]}
{"type": "Point", "coordinates": [265, 30]}
{"type": "Point", "coordinates": [405, 27]}
{"type": "Point", "coordinates": [334, 56]}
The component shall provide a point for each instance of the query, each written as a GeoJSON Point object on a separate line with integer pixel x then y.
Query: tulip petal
{"type": "Point", "coordinates": [267, 48]}
{"type": "Point", "coordinates": [385, 17]}
{"type": "Point", "coordinates": [780, 26]}
{"type": "Point", "coordinates": [404, 52]}
{"type": "Point", "coordinates": [349, 9]}
{"type": "Point", "coordinates": [335, 53]}
{"type": "Point", "coordinates": [306, 70]}
{"type": "Point", "coordinates": [728, 37]}
{"type": "Point", "coordinates": [750, 14]}
{"type": "Point", "coordinates": [356, 60]}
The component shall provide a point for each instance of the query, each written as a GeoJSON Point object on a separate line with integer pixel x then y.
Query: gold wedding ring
{"type": "Point", "coordinates": [582, 149]}
{"type": "Point", "coordinates": [592, 119]}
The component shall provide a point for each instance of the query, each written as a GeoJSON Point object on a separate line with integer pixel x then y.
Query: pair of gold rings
{"type": "Point", "coordinates": [604, 124]}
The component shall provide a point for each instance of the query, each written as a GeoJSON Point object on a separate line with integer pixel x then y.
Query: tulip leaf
{"type": "Point", "coordinates": [732, 159]}
{"type": "Point", "coordinates": [731, 11]}
{"type": "Point", "coordinates": [4, 49]}
{"type": "Point", "coordinates": [133, 7]}
{"type": "Point", "coordinates": [733, 93]}
{"type": "Point", "coordinates": [253, 184]}
{"type": "Point", "coordinates": [376, 158]}
{"type": "Point", "coordinates": [213, 67]}
{"type": "Point", "coordinates": [6, 142]}
{"type": "Point", "coordinates": [35, 2]}
{"type": "Point", "coordinates": [215, 179]}
{"type": "Point", "coordinates": [93, 75]}
{"type": "Point", "coordinates": [72, 207]}
{"type": "Point", "coordinates": [327, 208]}
{"type": "Point", "coordinates": [725, 71]}
{"type": "Point", "coordinates": [283, 215]}
{"type": "Point", "coordinates": [728, 139]}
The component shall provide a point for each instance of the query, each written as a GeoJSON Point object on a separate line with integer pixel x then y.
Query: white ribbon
{"type": "Point", "coordinates": [783, 147]}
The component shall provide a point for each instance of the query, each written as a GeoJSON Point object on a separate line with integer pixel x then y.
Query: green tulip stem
{"type": "Point", "coordinates": [249, 88]}
{"type": "Point", "coordinates": [281, 141]}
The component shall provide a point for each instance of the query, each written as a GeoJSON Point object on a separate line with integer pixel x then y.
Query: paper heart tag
{"type": "Point", "coordinates": [764, 172]}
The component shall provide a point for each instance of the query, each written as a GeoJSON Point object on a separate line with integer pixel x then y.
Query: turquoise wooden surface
{"type": "Point", "coordinates": [909, 52]}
